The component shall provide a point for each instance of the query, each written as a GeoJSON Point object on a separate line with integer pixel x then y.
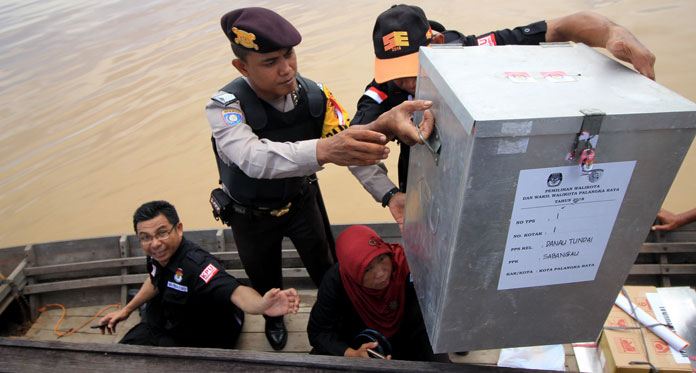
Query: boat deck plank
{"type": "Point", "coordinates": [251, 339]}
{"type": "Point", "coordinates": [43, 328]}
{"type": "Point", "coordinates": [21, 355]}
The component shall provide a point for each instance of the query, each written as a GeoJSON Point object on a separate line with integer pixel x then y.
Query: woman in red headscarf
{"type": "Point", "coordinates": [369, 288]}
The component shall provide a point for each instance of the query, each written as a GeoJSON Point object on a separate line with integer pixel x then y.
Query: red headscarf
{"type": "Point", "coordinates": [383, 309]}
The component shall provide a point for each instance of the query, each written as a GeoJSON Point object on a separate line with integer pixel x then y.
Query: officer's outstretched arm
{"type": "Point", "coordinates": [672, 221]}
{"type": "Point", "coordinates": [596, 30]}
{"type": "Point", "coordinates": [364, 145]}
{"type": "Point", "coordinates": [353, 147]}
{"type": "Point", "coordinates": [275, 302]}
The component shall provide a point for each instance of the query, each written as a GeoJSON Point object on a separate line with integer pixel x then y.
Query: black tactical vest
{"type": "Point", "coordinates": [304, 122]}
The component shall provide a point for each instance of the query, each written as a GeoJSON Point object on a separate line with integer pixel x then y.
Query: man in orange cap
{"type": "Point", "coordinates": [400, 31]}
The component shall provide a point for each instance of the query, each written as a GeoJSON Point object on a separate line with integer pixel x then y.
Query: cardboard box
{"type": "Point", "coordinates": [618, 348]}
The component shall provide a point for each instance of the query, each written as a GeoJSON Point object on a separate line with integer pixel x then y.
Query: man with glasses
{"type": "Point", "coordinates": [192, 301]}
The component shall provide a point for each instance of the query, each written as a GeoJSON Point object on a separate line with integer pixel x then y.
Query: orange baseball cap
{"type": "Point", "coordinates": [398, 34]}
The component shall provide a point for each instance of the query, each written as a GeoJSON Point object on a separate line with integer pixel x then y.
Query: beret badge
{"type": "Point", "coordinates": [245, 39]}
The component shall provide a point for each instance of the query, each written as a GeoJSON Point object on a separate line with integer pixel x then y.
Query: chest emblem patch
{"type": "Point", "coordinates": [179, 275]}
{"type": "Point", "coordinates": [208, 273]}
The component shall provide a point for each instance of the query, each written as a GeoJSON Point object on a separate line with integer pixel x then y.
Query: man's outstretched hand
{"type": "Point", "coordinates": [397, 122]}
{"type": "Point", "coordinates": [365, 145]}
{"type": "Point", "coordinates": [624, 46]}
{"type": "Point", "coordinates": [355, 146]}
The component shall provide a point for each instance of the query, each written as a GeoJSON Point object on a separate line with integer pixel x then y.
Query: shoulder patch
{"type": "Point", "coordinates": [208, 273]}
{"type": "Point", "coordinates": [375, 94]}
{"type": "Point", "coordinates": [225, 98]}
{"type": "Point", "coordinates": [232, 116]}
{"type": "Point", "coordinates": [487, 40]}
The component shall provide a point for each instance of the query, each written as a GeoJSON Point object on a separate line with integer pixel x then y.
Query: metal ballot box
{"type": "Point", "coordinates": [528, 207]}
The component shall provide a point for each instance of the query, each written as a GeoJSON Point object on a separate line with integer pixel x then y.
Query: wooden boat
{"type": "Point", "coordinates": [86, 275]}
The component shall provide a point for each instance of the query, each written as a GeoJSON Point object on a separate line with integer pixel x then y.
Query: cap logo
{"type": "Point", "coordinates": [245, 39]}
{"type": "Point", "coordinates": [395, 40]}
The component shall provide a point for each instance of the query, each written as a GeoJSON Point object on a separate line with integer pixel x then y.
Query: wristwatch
{"type": "Point", "coordinates": [387, 197]}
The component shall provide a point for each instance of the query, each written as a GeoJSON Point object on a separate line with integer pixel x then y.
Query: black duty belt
{"type": "Point", "coordinates": [266, 211]}
{"type": "Point", "coordinates": [261, 211]}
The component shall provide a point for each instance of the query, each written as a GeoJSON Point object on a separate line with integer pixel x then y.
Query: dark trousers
{"type": "Point", "coordinates": [259, 239]}
{"type": "Point", "coordinates": [145, 334]}
{"type": "Point", "coordinates": [217, 331]}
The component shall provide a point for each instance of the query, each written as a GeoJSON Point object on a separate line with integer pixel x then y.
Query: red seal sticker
{"type": "Point", "coordinates": [208, 273]}
{"type": "Point", "coordinates": [556, 76]}
{"type": "Point", "coordinates": [519, 77]}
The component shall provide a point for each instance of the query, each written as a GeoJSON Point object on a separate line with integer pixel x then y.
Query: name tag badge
{"type": "Point", "coordinates": [178, 287]}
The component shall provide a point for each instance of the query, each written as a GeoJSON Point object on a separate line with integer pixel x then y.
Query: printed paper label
{"type": "Point", "coordinates": [561, 222]}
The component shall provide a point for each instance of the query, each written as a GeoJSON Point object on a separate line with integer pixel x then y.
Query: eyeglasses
{"type": "Point", "coordinates": [146, 240]}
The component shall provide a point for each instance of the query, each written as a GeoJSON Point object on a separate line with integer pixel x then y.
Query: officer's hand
{"type": "Point", "coordinates": [397, 205]}
{"type": "Point", "coordinates": [624, 46]}
{"type": "Point", "coordinates": [668, 219]}
{"type": "Point", "coordinates": [111, 319]}
{"type": "Point", "coordinates": [355, 146]}
{"type": "Point", "coordinates": [278, 302]}
{"type": "Point", "coordinates": [398, 122]}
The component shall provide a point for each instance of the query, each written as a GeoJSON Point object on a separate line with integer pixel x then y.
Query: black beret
{"type": "Point", "coordinates": [259, 29]}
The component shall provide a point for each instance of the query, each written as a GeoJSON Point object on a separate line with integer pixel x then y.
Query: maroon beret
{"type": "Point", "coordinates": [259, 29]}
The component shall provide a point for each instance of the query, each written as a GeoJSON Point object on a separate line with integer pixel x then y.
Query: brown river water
{"type": "Point", "coordinates": [102, 103]}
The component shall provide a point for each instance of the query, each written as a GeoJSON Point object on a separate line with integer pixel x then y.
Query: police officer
{"type": "Point", "coordinates": [401, 30]}
{"type": "Point", "coordinates": [192, 301]}
{"type": "Point", "coordinates": [272, 130]}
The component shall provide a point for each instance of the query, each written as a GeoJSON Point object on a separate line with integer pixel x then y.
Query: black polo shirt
{"type": "Point", "coordinates": [194, 301]}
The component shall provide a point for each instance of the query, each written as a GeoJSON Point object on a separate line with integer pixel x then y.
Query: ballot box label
{"type": "Point", "coordinates": [561, 221]}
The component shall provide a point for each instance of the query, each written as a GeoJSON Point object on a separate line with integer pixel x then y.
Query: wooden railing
{"type": "Point", "coordinates": [108, 267]}
{"type": "Point", "coordinates": [667, 259]}
{"type": "Point", "coordinates": [66, 270]}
